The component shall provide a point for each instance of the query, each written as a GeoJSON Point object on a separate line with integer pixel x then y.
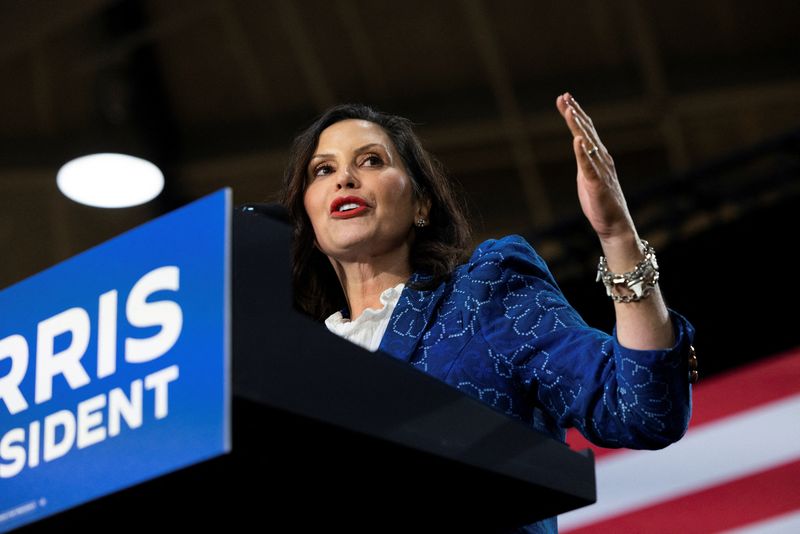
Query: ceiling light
{"type": "Point", "coordinates": [110, 180]}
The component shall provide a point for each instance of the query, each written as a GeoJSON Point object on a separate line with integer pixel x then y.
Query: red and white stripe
{"type": "Point", "coordinates": [737, 468]}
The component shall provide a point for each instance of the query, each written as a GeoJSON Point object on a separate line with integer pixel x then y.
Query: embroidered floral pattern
{"type": "Point", "coordinates": [501, 331]}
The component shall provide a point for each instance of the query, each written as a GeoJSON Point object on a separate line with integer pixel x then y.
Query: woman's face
{"type": "Point", "coordinates": [359, 197]}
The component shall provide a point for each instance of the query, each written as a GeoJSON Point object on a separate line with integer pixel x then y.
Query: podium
{"type": "Point", "coordinates": [327, 435]}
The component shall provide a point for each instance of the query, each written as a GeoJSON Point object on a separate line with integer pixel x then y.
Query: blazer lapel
{"type": "Point", "coordinates": [410, 319]}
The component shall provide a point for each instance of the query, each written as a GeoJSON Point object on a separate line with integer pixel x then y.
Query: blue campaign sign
{"type": "Point", "coordinates": [115, 364]}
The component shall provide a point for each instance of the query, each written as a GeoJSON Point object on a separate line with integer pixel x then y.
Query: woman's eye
{"type": "Point", "coordinates": [323, 170]}
{"type": "Point", "coordinates": [372, 160]}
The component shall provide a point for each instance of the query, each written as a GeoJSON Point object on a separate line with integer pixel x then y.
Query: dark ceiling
{"type": "Point", "coordinates": [214, 91]}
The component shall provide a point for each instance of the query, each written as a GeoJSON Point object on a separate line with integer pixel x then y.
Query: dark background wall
{"type": "Point", "coordinates": [697, 101]}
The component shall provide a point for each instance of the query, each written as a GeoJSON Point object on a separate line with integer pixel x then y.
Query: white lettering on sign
{"type": "Point", "coordinates": [16, 348]}
{"type": "Point", "coordinates": [85, 426]}
{"type": "Point", "coordinates": [67, 362]}
{"type": "Point", "coordinates": [75, 323]}
{"type": "Point", "coordinates": [165, 313]}
{"type": "Point", "coordinates": [107, 334]}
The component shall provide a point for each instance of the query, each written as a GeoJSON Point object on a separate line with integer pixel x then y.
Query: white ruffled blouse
{"type": "Point", "coordinates": [368, 328]}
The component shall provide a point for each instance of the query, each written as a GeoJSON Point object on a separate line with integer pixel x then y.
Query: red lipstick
{"type": "Point", "coordinates": [353, 205]}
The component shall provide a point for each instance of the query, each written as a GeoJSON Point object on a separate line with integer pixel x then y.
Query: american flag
{"type": "Point", "coordinates": [737, 469]}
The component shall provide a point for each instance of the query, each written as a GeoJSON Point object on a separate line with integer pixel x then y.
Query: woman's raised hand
{"type": "Point", "coordinates": [599, 191]}
{"type": "Point", "coordinates": [645, 325]}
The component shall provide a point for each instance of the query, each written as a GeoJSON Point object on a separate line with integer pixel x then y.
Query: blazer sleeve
{"type": "Point", "coordinates": [579, 375]}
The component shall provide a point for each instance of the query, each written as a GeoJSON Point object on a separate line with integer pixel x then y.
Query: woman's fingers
{"type": "Point", "coordinates": [590, 153]}
{"type": "Point", "coordinates": [591, 147]}
{"type": "Point", "coordinates": [599, 191]}
{"type": "Point", "coordinates": [570, 100]}
{"type": "Point", "coordinates": [590, 163]}
{"type": "Point", "coordinates": [577, 126]}
{"type": "Point", "coordinates": [590, 137]}
{"type": "Point", "coordinates": [586, 127]}
{"type": "Point", "coordinates": [586, 159]}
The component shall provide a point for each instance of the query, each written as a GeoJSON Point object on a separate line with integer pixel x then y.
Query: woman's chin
{"type": "Point", "coordinates": [346, 247]}
{"type": "Point", "coordinates": [362, 247]}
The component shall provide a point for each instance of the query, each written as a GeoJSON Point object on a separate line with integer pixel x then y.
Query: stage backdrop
{"type": "Point", "coordinates": [115, 364]}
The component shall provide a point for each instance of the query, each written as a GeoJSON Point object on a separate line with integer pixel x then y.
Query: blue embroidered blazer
{"type": "Point", "coordinates": [502, 331]}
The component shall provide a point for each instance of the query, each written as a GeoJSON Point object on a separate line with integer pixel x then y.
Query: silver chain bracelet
{"type": "Point", "coordinates": [641, 280]}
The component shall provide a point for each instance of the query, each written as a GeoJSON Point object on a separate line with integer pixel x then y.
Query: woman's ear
{"type": "Point", "coordinates": [423, 211]}
{"type": "Point", "coordinates": [424, 208]}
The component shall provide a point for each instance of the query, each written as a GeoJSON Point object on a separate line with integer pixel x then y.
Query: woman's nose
{"type": "Point", "coordinates": [346, 179]}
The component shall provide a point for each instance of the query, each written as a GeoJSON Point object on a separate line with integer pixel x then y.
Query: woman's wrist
{"type": "Point", "coordinates": [633, 284]}
{"type": "Point", "coordinates": [622, 252]}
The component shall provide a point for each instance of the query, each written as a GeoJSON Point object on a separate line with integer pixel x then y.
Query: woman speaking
{"type": "Point", "coordinates": [380, 254]}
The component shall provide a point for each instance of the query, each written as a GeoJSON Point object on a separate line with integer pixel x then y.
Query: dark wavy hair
{"type": "Point", "coordinates": [437, 248]}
